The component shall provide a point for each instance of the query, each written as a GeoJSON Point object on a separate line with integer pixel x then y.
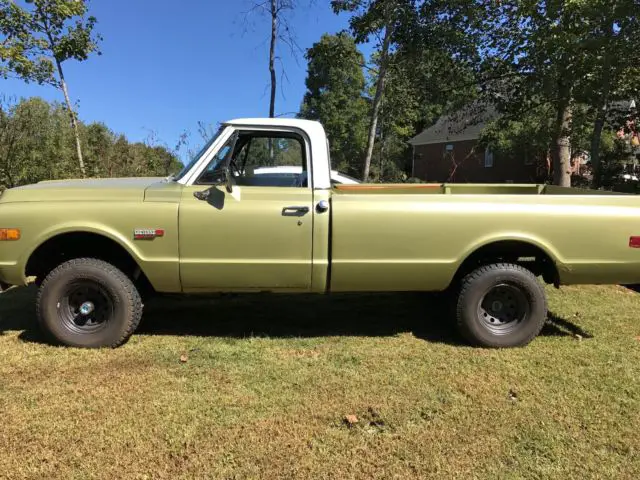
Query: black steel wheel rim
{"type": "Point", "coordinates": [85, 307]}
{"type": "Point", "coordinates": [503, 308]}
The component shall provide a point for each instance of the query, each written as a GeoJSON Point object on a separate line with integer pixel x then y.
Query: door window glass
{"type": "Point", "coordinates": [262, 159]}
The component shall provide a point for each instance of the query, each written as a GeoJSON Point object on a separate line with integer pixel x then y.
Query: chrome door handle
{"type": "Point", "coordinates": [295, 211]}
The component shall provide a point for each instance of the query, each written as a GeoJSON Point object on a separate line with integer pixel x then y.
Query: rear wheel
{"type": "Point", "coordinates": [501, 305]}
{"type": "Point", "coordinates": [88, 303]}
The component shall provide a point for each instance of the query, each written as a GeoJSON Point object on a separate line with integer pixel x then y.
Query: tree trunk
{"type": "Point", "coordinates": [272, 57]}
{"type": "Point", "coordinates": [596, 139]}
{"type": "Point", "coordinates": [382, 139]}
{"type": "Point", "coordinates": [377, 100]}
{"type": "Point", "coordinates": [74, 120]}
{"type": "Point", "coordinates": [562, 145]}
{"type": "Point", "coordinates": [601, 116]}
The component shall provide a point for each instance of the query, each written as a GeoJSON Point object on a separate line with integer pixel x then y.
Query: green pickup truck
{"type": "Point", "coordinates": [239, 218]}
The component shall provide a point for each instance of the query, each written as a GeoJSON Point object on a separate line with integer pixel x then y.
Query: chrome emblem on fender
{"type": "Point", "coordinates": [147, 233]}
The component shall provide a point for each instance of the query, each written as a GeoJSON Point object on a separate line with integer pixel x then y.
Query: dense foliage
{"type": "Point", "coordinates": [555, 72]}
{"type": "Point", "coordinates": [335, 96]}
{"type": "Point", "coordinates": [37, 143]}
{"type": "Point", "coordinates": [575, 57]}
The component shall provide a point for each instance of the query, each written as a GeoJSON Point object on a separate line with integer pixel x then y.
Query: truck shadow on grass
{"type": "Point", "coordinates": [241, 316]}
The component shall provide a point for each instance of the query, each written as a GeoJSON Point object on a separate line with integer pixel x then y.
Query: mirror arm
{"type": "Point", "coordinates": [228, 179]}
{"type": "Point", "coordinates": [203, 194]}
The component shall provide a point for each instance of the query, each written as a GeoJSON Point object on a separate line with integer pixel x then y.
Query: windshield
{"type": "Point", "coordinates": [197, 157]}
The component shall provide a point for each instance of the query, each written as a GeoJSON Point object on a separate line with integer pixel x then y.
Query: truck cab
{"type": "Point", "coordinates": [258, 232]}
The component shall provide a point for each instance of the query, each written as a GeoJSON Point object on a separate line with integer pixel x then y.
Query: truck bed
{"type": "Point", "coordinates": [406, 237]}
{"type": "Point", "coordinates": [468, 189]}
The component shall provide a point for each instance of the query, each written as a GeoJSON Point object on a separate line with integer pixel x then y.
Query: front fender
{"type": "Point", "coordinates": [162, 271]}
{"type": "Point", "coordinates": [72, 227]}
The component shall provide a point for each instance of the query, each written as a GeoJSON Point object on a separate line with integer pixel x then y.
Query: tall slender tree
{"type": "Point", "coordinates": [38, 37]}
{"type": "Point", "coordinates": [386, 21]}
{"type": "Point", "coordinates": [281, 31]}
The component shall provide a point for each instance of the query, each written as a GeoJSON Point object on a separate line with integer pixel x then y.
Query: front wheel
{"type": "Point", "coordinates": [88, 303]}
{"type": "Point", "coordinates": [501, 305]}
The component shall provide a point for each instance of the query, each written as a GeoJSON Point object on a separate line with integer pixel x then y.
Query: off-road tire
{"type": "Point", "coordinates": [121, 314]}
{"type": "Point", "coordinates": [471, 318]}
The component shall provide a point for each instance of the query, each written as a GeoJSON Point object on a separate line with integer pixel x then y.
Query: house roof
{"type": "Point", "coordinates": [469, 122]}
{"type": "Point", "coordinates": [463, 125]}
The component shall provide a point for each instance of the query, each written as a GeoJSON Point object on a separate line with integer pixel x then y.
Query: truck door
{"type": "Point", "coordinates": [259, 236]}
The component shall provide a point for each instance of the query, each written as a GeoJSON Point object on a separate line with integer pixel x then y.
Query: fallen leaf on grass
{"type": "Point", "coordinates": [350, 420]}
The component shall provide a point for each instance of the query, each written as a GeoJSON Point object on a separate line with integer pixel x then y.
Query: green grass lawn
{"type": "Point", "coordinates": [268, 381]}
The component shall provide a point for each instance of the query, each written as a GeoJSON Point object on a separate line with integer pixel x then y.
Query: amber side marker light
{"type": "Point", "coordinates": [9, 234]}
{"type": "Point", "coordinates": [634, 242]}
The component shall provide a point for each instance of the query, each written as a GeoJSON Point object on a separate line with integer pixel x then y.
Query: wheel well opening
{"type": "Point", "coordinates": [68, 246]}
{"type": "Point", "coordinates": [521, 253]}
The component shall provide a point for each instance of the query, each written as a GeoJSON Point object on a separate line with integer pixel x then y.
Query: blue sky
{"type": "Point", "coordinates": [166, 65]}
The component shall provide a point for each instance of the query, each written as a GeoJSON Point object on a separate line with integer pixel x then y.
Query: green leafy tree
{"type": "Point", "coordinates": [612, 56]}
{"type": "Point", "coordinates": [567, 53]}
{"type": "Point", "coordinates": [423, 65]}
{"type": "Point", "coordinates": [37, 143]}
{"type": "Point", "coordinates": [522, 139]}
{"type": "Point", "coordinates": [534, 43]}
{"type": "Point", "coordinates": [335, 86]}
{"type": "Point", "coordinates": [38, 37]}
{"type": "Point", "coordinates": [99, 140]}
{"type": "Point", "coordinates": [386, 21]}
{"type": "Point", "coordinates": [423, 82]}
{"type": "Point", "coordinates": [19, 127]}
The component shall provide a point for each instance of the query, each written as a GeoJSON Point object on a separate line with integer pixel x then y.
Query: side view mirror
{"type": "Point", "coordinates": [227, 182]}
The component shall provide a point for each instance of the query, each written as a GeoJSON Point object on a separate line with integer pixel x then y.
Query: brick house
{"type": "Point", "coordinates": [449, 152]}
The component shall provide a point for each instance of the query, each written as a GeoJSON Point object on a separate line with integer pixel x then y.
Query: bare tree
{"type": "Point", "coordinates": [279, 13]}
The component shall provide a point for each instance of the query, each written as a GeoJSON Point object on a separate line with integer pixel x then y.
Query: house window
{"type": "Point", "coordinates": [448, 151]}
{"type": "Point", "coordinates": [488, 158]}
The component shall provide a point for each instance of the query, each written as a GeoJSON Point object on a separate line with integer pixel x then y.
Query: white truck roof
{"type": "Point", "coordinates": [276, 122]}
